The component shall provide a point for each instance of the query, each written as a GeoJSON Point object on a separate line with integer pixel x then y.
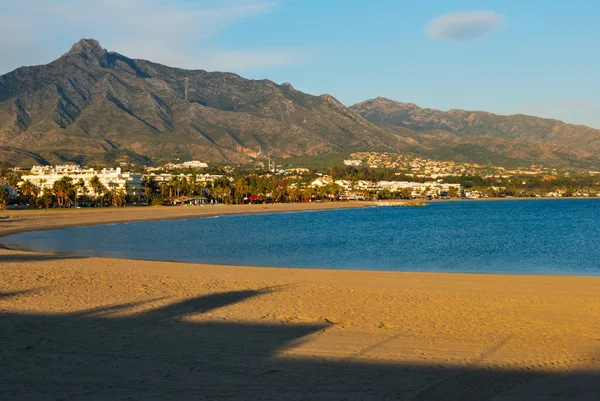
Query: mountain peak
{"type": "Point", "coordinates": [87, 48]}
{"type": "Point", "coordinates": [382, 102]}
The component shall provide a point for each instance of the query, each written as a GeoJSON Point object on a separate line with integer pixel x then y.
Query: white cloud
{"type": "Point", "coordinates": [464, 26]}
{"type": "Point", "coordinates": [173, 32]}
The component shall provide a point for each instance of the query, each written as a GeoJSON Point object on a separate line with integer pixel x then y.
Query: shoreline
{"type": "Point", "coordinates": [128, 215]}
{"type": "Point", "coordinates": [101, 328]}
{"type": "Point", "coordinates": [515, 198]}
{"type": "Point", "coordinates": [93, 216]}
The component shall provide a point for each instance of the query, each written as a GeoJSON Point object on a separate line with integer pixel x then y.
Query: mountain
{"type": "Point", "coordinates": [483, 137]}
{"type": "Point", "coordinates": [92, 106]}
{"type": "Point", "coordinates": [95, 106]}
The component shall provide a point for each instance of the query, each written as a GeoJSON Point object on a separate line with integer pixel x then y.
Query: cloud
{"type": "Point", "coordinates": [464, 26]}
{"type": "Point", "coordinates": [174, 32]}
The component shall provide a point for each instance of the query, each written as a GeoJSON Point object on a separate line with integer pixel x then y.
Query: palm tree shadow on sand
{"type": "Point", "coordinates": [105, 353]}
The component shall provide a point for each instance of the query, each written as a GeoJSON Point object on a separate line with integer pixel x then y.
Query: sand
{"type": "Point", "coordinates": [95, 329]}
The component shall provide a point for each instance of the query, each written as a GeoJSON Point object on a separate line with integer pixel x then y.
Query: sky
{"type": "Point", "coordinates": [537, 57]}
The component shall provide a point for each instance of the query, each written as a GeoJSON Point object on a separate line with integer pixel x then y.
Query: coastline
{"type": "Point", "coordinates": [128, 329]}
{"type": "Point", "coordinates": [40, 219]}
{"type": "Point", "coordinates": [18, 221]}
{"type": "Point", "coordinates": [509, 199]}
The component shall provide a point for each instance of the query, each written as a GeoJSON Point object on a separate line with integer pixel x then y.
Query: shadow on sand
{"type": "Point", "coordinates": [106, 353]}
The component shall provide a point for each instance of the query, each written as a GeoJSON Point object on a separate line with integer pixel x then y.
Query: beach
{"type": "Point", "coordinates": [99, 328]}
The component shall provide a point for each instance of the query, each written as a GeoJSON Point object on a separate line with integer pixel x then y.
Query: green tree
{"type": "Point", "coordinates": [406, 193]}
{"type": "Point", "coordinates": [46, 199]}
{"type": "Point", "coordinates": [13, 180]}
{"type": "Point", "coordinates": [240, 188]}
{"type": "Point", "coordinates": [28, 190]}
{"type": "Point", "coordinates": [63, 190]}
{"type": "Point", "coordinates": [174, 186]}
{"type": "Point", "coordinates": [118, 197]}
{"type": "Point", "coordinates": [308, 193]}
{"type": "Point", "coordinates": [98, 188]}
{"type": "Point", "coordinates": [184, 186]}
{"type": "Point", "coordinates": [4, 197]}
{"type": "Point", "coordinates": [295, 194]}
{"type": "Point", "coordinates": [150, 188]}
{"type": "Point", "coordinates": [80, 187]}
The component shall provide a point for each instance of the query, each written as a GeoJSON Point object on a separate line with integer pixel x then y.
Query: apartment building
{"type": "Point", "coordinates": [112, 178]}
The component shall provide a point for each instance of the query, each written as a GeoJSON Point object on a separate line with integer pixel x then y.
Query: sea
{"type": "Point", "coordinates": [554, 237]}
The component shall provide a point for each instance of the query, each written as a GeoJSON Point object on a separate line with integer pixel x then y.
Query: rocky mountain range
{"type": "Point", "coordinates": [93, 106]}
{"type": "Point", "coordinates": [485, 137]}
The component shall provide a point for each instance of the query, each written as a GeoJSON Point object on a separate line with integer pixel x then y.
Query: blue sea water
{"type": "Point", "coordinates": [514, 237]}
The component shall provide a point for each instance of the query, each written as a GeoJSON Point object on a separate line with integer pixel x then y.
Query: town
{"type": "Point", "coordinates": [363, 176]}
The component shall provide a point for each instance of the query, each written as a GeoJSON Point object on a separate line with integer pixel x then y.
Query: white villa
{"type": "Point", "coordinates": [192, 164]}
{"type": "Point", "coordinates": [322, 181]}
{"type": "Point", "coordinates": [346, 184]}
{"type": "Point", "coordinates": [352, 162]}
{"type": "Point", "coordinates": [46, 176]}
{"type": "Point", "coordinates": [433, 188]}
{"type": "Point", "coordinates": [200, 178]}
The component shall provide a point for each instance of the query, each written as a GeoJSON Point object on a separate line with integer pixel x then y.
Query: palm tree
{"type": "Point", "coordinates": [28, 190]}
{"type": "Point", "coordinates": [147, 193]}
{"type": "Point", "coordinates": [308, 193]}
{"type": "Point", "coordinates": [174, 186]}
{"type": "Point", "coordinates": [117, 197]}
{"type": "Point", "coordinates": [185, 187]}
{"type": "Point", "coordinates": [46, 199]}
{"type": "Point", "coordinates": [4, 197]}
{"type": "Point", "coordinates": [149, 188]}
{"type": "Point", "coordinates": [63, 190]}
{"type": "Point", "coordinates": [192, 184]}
{"type": "Point", "coordinates": [80, 187]}
{"type": "Point", "coordinates": [97, 187]}
{"type": "Point", "coordinates": [241, 189]}
{"type": "Point", "coordinates": [295, 194]}
{"type": "Point", "coordinates": [3, 174]}
{"type": "Point", "coordinates": [13, 180]}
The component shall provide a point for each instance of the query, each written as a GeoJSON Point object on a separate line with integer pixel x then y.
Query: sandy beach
{"type": "Point", "coordinates": [96, 328]}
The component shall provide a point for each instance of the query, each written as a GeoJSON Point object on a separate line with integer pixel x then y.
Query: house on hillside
{"type": "Point", "coordinates": [322, 181]}
{"type": "Point", "coordinates": [346, 184]}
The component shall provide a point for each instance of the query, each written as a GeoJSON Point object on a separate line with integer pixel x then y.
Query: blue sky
{"type": "Point", "coordinates": [537, 57]}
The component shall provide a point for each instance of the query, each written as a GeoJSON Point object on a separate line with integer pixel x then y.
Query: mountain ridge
{"type": "Point", "coordinates": [540, 139]}
{"type": "Point", "coordinates": [137, 109]}
{"type": "Point", "coordinates": [95, 106]}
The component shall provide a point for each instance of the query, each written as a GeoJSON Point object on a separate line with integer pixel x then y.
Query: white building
{"type": "Point", "coordinates": [353, 162]}
{"type": "Point", "coordinates": [200, 178]}
{"type": "Point", "coordinates": [432, 188]}
{"type": "Point", "coordinates": [194, 164]}
{"type": "Point", "coordinates": [346, 184]}
{"type": "Point", "coordinates": [367, 185]}
{"type": "Point", "coordinates": [322, 181]}
{"type": "Point", "coordinates": [46, 176]}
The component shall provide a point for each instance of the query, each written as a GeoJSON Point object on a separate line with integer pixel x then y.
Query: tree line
{"type": "Point", "coordinates": [257, 186]}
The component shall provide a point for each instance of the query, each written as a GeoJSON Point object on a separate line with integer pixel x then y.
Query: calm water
{"type": "Point", "coordinates": [518, 237]}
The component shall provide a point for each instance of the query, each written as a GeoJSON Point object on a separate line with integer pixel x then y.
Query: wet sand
{"type": "Point", "coordinates": [94, 328]}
